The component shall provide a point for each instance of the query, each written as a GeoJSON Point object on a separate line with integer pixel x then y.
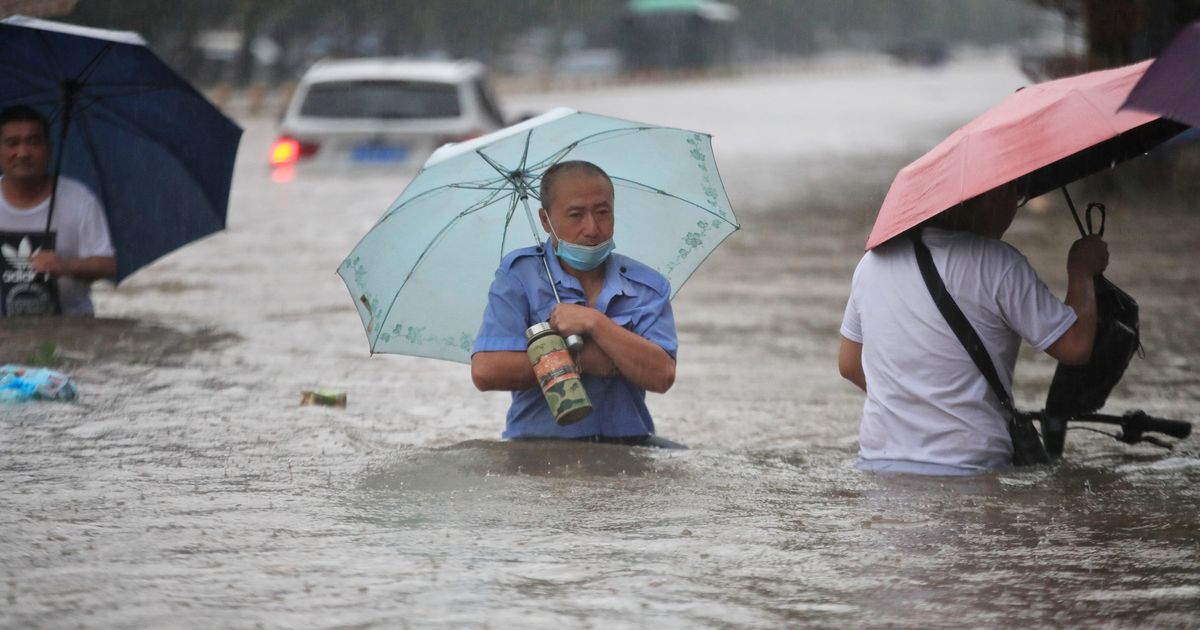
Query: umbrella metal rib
{"type": "Point", "coordinates": [557, 156]}
{"type": "Point", "coordinates": [664, 193]}
{"type": "Point", "coordinates": [512, 208]}
{"type": "Point", "coordinates": [518, 178]}
{"type": "Point", "coordinates": [437, 238]}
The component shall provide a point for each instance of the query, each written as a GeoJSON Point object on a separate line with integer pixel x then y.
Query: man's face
{"type": "Point", "coordinates": [24, 150]}
{"type": "Point", "coordinates": [581, 209]}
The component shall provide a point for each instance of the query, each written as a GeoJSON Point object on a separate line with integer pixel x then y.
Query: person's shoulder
{"type": "Point", "coordinates": [518, 259]}
{"type": "Point", "coordinates": [1000, 251]}
{"type": "Point", "coordinates": [72, 185]}
{"type": "Point", "coordinates": [884, 255]}
{"type": "Point", "coordinates": [75, 191]}
{"type": "Point", "coordinates": [990, 249]}
{"type": "Point", "coordinates": [642, 274]}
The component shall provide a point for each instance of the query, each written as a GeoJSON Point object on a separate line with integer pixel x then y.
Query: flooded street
{"type": "Point", "coordinates": [188, 488]}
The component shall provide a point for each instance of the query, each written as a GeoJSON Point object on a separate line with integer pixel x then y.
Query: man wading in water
{"type": "Point", "coordinates": [77, 248]}
{"type": "Point", "coordinates": [620, 306]}
{"type": "Point", "coordinates": [929, 409]}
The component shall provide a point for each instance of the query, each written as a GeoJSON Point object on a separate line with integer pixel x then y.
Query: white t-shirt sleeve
{"type": "Point", "coordinates": [851, 319]}
{"type": "Point", "coordinates": [1029, 307]}
{"type": "Point", "coordinates": [94, 237]}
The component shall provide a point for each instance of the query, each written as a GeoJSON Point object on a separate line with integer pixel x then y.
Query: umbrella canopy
{"type": "Point", "coordinates": [155, 152]}
{"type": "Point", "coordinates": [420, 277]}
{"type": "Point", "coordinates": [1171, 86]}
{"type": "Point", "coordinates": [1054, 133]}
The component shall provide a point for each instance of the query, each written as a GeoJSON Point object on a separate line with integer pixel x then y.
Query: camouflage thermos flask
{"type": "Point", "coordinates": [557, 375]}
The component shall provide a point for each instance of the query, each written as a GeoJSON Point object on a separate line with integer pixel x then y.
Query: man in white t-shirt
{"type": "Point", "coordinates": [82, 249]}
{"type": "Point", "coordinates": [929, 409]}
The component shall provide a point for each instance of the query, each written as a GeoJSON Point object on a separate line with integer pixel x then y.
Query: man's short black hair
{"type": "Point", "coordinates": [562, 168]}
{"type": "Point", "coordinates": [25, 113]}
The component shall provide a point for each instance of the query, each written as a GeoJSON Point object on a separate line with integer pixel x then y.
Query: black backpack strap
{"type": "Point", "coordinates": [1027, 447]}
{"type": "Point", "coordinates": [958, 322]}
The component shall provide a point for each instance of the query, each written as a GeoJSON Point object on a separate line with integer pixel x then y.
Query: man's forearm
{"type": "Point", "coordinates": [89, 269]}
{"type": "Point", "coordinates": [850, 363]}
{"type": "Point", "coordinates": [1074, 347]}
{"type": "Point", "coordinates": [502, 371]}
{"type": "Point", "coordinates": [639, 360]}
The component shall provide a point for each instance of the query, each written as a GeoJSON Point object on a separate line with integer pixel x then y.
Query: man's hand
{"type": "Point", "coordinates": [46, 261]}
{"type": "Point", "coordinates": [639, 360]}
{"type": "Point", "coordinates": [593, 360]}
{"type": "Point", "coordinates": [1088, 257]}
{"type": "Point", "coordinates": [85, 269]}
{"type": "Point", "coordinates": [574, 319]}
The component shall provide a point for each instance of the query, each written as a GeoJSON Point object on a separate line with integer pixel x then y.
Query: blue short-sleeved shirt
{"type": "Point", "coordinates": [634, 296]}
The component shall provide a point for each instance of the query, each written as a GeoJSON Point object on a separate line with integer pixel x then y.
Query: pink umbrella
{"type": "Point", "coordinates": [1053, 132]}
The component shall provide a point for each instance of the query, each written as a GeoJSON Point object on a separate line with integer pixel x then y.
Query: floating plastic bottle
{"type": "Point", "coordinates": [19, 383]}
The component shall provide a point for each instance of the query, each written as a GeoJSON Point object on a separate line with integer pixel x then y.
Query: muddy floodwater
{"type": "Point", "coordinates": [187, 487]}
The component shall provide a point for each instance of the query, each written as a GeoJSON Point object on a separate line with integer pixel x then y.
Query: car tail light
{"type": "Point", "coordinates": [290, 150]}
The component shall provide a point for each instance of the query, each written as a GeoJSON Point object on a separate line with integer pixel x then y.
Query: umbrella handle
{"type": "Point", "coordinates": [1087, 214]}
{"type": "Point", "coordinates": [1074, 213]}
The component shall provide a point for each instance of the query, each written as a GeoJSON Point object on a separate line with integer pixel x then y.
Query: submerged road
{"type": "Point", "coordinates": [188, 488]}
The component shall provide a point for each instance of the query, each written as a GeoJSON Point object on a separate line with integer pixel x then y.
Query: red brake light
{"type": "Point", "coordinates": [285, 151]}
{"type": "Point", "coordinates": [289, 151]}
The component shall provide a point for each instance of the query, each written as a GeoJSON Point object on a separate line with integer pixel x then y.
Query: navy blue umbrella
{"type": "Point", "coordinates": [155, 152]}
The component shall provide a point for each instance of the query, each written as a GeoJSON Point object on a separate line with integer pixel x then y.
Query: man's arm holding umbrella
{"type": "Point", "coordinates": [85, 269]}
{"type": "Point", "coordinates": [611, 349]}
{"type": "Point", "coordinates": [511, 370]}
{"type": "Point", "coordinates": [641, 361]}
{"type": "Point", "coordinates": [96, 260]}
{"type": "Point", "coordinates": [1087, 258]}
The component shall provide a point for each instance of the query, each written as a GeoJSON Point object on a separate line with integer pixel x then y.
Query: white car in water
{"type": "Point", "coordinates": [383, 112]}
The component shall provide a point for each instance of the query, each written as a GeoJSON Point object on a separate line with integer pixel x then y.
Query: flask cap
{"type": "Point", "coordinates": [537, 329]}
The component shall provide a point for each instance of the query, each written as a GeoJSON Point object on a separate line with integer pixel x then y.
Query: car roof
{"type": "Point", "coordinates": [392, 68]}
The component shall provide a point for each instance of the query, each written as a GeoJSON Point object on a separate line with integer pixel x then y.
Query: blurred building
{"type": "Point", "coordinates": [36, 8]}
{"type": "Point", "coordinates": [676, 34]}
{"type": "Point", "coordinates": [1115, 32]}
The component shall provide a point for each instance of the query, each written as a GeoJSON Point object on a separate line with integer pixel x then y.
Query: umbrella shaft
{"type": "Point", "coordinates": [550, 279]}
{"type": "Point", "coordinates": [1074, 213]}
{"type": "Point", "coordinates": [537, 238]}
{"type": "Point", "coordinates": [70, 95]}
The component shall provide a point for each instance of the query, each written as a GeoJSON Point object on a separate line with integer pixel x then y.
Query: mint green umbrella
{"type": "Point", "coordinates": [420, 276]}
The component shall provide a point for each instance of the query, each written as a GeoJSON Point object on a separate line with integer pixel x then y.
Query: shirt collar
{"type": "Point", "coordinates": [616, 280]}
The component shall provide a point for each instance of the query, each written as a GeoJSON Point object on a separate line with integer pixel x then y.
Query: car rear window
{"type": "Point", "coordinates": [381, 99]}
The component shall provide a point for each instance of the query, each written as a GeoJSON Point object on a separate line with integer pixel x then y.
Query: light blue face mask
{"type": "Point", "coordinates": [583, 257]}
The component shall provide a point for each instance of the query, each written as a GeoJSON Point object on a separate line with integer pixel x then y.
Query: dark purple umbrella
{"type": "Point", "coordinates": [1171, 86]}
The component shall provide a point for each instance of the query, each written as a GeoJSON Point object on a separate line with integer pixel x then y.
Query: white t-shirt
{"type": "Point", "coordinates": [927, 402]}
{"type": "Point", "coordinates": [81, 231]}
